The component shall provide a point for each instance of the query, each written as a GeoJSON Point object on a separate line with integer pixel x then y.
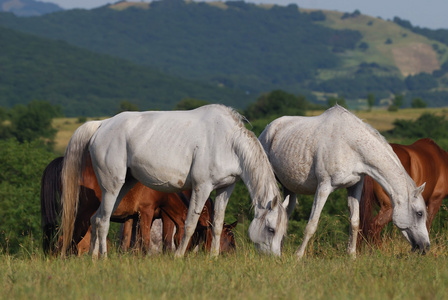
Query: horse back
{"type": "Point", "coordinates": [426, 162]}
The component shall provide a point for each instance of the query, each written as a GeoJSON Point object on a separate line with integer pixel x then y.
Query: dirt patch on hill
{"type": "Point", "coordinates": [125, 5]}
{"type": "Point", "coordinates": [415, 58]}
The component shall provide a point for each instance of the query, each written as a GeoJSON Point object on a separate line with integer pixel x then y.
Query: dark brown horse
{"type": "Point", "coordinates": [424, 161]}
{"type": "Point", "coordinates": [140, 203]}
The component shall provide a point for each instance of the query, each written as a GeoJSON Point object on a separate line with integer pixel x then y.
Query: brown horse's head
{"type": "Point", "coordinates": [227, 243]}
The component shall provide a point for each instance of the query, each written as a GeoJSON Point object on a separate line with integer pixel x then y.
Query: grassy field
{"type": "Point", "coordinates": [392, 273]}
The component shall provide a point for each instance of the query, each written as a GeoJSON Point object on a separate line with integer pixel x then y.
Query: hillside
{"type": "Point", "coordinates": [90, 84]}
{"type": "Point", "coordinates": [258, 48]}
{"type": "Point", "coordinates": [26, 8]}
{"type": "Point", "coordinates": [239, 45]}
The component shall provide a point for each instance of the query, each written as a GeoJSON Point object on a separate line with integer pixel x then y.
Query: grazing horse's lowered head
{"type": "Point", "coordinates": [268, 228]}
{"type": "Point", "coordinates": [410, 218]}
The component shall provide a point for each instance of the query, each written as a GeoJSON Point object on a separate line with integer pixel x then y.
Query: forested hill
{"type": "Point", "coordinates": [87, 83]}
{"type": "Point", "coordinates": [241, 45]}
{"type": "Point", "coordinates": [258, 48]}
{"type": "Point", "coordinates": [28, 7]}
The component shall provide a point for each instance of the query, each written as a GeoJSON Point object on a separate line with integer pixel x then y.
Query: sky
{"type": "Point", "coordinates": [424, 13]}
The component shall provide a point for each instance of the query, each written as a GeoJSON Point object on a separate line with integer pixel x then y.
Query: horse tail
{"type": "Point", "coordinates": [74, 158]}
{"type": "Point", "coordinates": [366, 207]}
{"type": "Point", "coordinates": [50, 207]}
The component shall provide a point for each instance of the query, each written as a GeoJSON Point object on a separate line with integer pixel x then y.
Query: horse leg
{"type": "Point", "coordinates": [146, 216]}
{"type": "Point", "coordinates": [125, 234]}
{"type": "Point", "coordinates": [222, 198]}
{"type": "Point", "coordinates": [354, 196]}
{"type": "Point", "coordinates": [197, 202]}
{"type": "Point", "coordinates": [383, 217]}
{"type": "Point", "coordinates": [433, 207]}
{"type": "Point", "coordinates": [322, 193]}
{"type": "Point", "coordinates": [100, 221]}
{"type": "Point", "coordinates": [167, 233]}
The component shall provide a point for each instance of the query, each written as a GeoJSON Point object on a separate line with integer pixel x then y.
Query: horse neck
{"type": "Point", "coordinates": [256, 171]}
{"type": "Point", "coordinates": [387, 170]}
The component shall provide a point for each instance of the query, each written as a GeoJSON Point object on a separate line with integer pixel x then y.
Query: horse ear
{"type": "Point", "coordinates": [286, 202]}
{"type": "Point", "coordinates": [419, 190]}
{"type": "Point", "coordinates": [289, 205]}
{"type": "Point", "coordinates": [233, 225]}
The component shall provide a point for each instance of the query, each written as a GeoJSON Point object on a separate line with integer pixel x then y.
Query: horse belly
{"type": "Point", "coordinates": [296, 175]}
{"type": "Point", "coordinates": [163, 176]}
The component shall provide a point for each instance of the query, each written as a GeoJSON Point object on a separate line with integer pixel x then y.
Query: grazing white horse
{"type": "Point", "coordinates": [317, 155]}
{"type": "Point", "coordinates": [203, 150]}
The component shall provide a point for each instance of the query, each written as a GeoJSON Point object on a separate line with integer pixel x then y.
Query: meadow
{"type": "Point", "coordinates": [390, 273]}
{"type": "Point", "coordinates": [326, 272]}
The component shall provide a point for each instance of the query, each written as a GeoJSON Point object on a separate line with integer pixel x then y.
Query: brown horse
{"type": "Point", "coordinates": [424, 161]}
{"type": "Point", "coordinates": [141, 202]}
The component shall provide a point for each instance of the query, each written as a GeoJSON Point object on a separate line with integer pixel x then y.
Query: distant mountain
{"type": "Point", "coordinates": [258, 48]}
{"type": "Point", "coordinates": [84, 83]}
{"type": "Point", "coordinates": [26, 8]}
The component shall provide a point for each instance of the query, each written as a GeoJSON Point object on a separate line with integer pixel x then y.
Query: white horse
{"type": "Point", "coordinates": [204, 149]}
{"type": "Point", "coordinates": [317, 155]}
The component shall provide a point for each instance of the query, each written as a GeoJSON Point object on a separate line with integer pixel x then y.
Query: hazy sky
{"type": "Point", "coordinates": [424, 13]}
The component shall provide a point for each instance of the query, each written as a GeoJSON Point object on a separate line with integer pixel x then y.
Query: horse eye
{"type": "Point", "coordinates": [420, 214]}
{"type": "Point", "coordinates": [271, 230]}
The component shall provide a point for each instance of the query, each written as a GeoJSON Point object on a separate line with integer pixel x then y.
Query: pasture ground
{"type": "Point", "coordinates": [378, 275]}
{"type": "Point", "coordinates": [392, 272]}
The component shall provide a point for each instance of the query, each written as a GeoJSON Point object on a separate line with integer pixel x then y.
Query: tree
{"type": "Point", "coordinates": [127, 106]}
{"type": "Point", "coordinates": [277, 103]}
{"type": "Point", "coordinates": [190, 103]}
{"type": "Point", "coordinates": [22, 165]}
{"type": "Point", "coordinates": [34, 121]}
{"type": "Point", "coordinates": [418, 103]}
{"type": "Point", "coordinates": [397, 102]}
{"type": "Point", "coordinates": [332, 101]}
{"type": "Point", "coordinates": [427, 125]}
{"type": "Point", "coordinates": [370, 100]}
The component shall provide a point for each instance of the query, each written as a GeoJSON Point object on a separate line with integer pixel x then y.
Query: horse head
{"type": "Point", "coordinates": [268, 227]}
{"type": "Point", "coordinates": [227, 243]}
{"type": "Point", "coordinates": [410, 217]}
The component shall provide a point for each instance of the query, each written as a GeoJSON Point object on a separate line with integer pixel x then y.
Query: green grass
{"type": "Point", "coordinates": [392, 272]}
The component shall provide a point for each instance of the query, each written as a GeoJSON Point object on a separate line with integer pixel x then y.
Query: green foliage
{"type": "Point", "coordinates": [418, 103]}
{"type": "Point", "coordinates": [89, 84]}
{"type": "Point", "coordinates": [392, 108]}
{"type": "Point", "coordinates": [362, 84]}
{"type": "Point", "coordinates": [190, 103]}
{"type": "Point", "coordinates": [34, 121]}
{"type": "Point", "coordinates": [277, 103]}
{"type": "Point", "coordinates": [127, 106]}
{"type": "Point", "coordinates": [81, 120]}
{"type": "Point", "coordinates": [21, 166]}
{"type": "Point", "coordinates": [398, 100]}
{"type": "Point", "coordinates": [233, 70]}
{"type": "Point", "coordinates": [256, 64]}
{"type": "Point", "coordinates": [317, 16]}
{"type": "Point", "coordinates": [370, 100]}
{"type": "Point", "coordinates": [30, 122]}
{"type": "Point", "coordinates": [354, 14]}
{"type": "Point", "coordinates": [427, 125]}
{"type": "Point", "coordinates": [332, 101]}
{"type": "Point", "coordinates": [421, 81]}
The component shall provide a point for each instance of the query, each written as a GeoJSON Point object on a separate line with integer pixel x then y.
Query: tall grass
{"type": "Point", "coordinates": [392, 272]}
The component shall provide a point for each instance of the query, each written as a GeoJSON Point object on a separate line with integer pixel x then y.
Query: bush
{"type": "Point", "coordinates": [277, 103]}
{"type": "Point", "coordinates": [22, 166]}
{"type": "Point", "coordinates": [427, 125]}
